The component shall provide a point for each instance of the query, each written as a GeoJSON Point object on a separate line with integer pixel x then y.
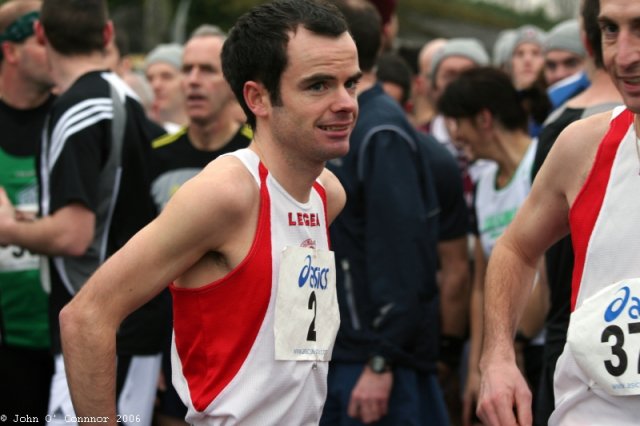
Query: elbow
{"type": "Point", "coordinates": [71, 323]}
{"type": "Point", "coordinates": [68, 325]}
{"type": "Point", "coordinates": [85, 323]}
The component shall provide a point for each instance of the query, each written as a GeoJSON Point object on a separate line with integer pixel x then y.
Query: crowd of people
{"type": "Point", "coordinates": [298, 223]}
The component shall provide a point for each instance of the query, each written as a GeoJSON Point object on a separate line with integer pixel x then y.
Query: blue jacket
{"type": "Point", "coordinates": [385, 241]}
{"type": "Point", "coordinates": [564, 90]}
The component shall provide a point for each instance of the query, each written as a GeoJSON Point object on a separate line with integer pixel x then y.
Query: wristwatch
{"type": "Point", "coordinates": [379, 364]}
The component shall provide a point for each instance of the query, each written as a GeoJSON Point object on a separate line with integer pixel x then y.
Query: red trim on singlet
{"type": "Point", "coordinates": [586, 207]}
{"type": "Point", "coordinates": [323, 196]}
{"type": "Point", "coordinates": [216, 325]}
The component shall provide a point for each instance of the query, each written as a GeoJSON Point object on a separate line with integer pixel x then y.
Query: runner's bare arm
{"type": "Point", "coordinates": [207, 214]}
{"type": "Point", "coordinates": [542, 220]}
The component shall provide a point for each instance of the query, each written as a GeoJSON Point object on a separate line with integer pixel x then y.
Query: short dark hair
{"type": "Point", "coordinates": [75, 26]}
{"type": "Point", "coordinates": [589, 13]}
{"type": "Point", "coordinates": [256, 48]}
{"type": "Point", "coordinates": [484, 88]}
{"type": "Point", "coordinates": [365, 27]}
{"type": "Point", "coordinates": [394, 68]}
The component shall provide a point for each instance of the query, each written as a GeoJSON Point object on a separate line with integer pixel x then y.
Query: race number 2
{"type": "Point", "coordinates": [313, 304]}
{"type": "Point", "coordinates": [306, 313]}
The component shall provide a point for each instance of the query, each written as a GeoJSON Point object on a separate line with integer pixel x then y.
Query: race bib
{"type": "Point", "coordinates": [604, 336]}
{"type": "Point", "coordinates": [306, 312]}
{"type": "Point", "coordinates": [14, 259]}
{"type": "Point", "coordinates": [17, 259]}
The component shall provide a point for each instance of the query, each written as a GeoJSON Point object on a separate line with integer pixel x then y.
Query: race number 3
{"type": "Point", "coordinates": [604, 337]}
{"type": "Point", "coordinates": [618, 306]}
{"type": "Point", "coordinates": [617, 349]}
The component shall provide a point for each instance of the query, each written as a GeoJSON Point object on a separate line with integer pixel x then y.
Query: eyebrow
{"type": "Point", "coordinates": [326, 77]}
{"type": "Point", "coordinates": [356, 76]}
{"type": "Point", "coordinates": [603, 20]}
{"type": "Point", "coordinates": [314, 78]}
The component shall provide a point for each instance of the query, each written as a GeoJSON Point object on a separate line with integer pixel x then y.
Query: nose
{"type": "Point", "coordinates": [628, 52]}
{"type": "Point", "coordinates": [562, 71]}
{"type": "Point", "coordinates": [345, 101]}
{"type": "Point", "coordinates": [154, 82]}
{"type": "Point", "coordinates": [192, 75]}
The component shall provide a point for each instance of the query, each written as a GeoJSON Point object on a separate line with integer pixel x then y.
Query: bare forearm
{"type": "Point", "coordinates": [90, 363]}
{"type": "Point", "coordinates": [88, 327]}
{"type": "Point", "coordinates": [34, 237]}
{"type": "Point", "coordinates": [507, 288]}
{"type": "Point", "coordinates": [67, 233]}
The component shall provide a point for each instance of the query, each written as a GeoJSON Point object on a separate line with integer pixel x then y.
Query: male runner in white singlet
{"type": "Point", "coordinates": [244, 242]}
{"type": "Point", "coordinates": [589, 185]}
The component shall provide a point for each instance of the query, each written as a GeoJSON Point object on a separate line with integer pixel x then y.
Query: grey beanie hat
{"type": "Point", "coordinates": [502, 47]}
{"type": "Point", "coordinates": [469, 48]}
{"type": "Point", "coordinates": [167, 53]}
{"type": "Point", "coordinates": [565, 36]}
{"type": "Point", "coordinates": [528, 34]}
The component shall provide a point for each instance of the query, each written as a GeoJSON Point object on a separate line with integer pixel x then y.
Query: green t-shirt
{"type": "Point", "coordinates": [24, 318]}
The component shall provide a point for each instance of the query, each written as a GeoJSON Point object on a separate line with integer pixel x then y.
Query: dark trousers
{"type": "Point", "coordinates": [416, 398]}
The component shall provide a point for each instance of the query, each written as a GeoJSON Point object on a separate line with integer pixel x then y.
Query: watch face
{"type": "Point", "coordinates": [378, 364]}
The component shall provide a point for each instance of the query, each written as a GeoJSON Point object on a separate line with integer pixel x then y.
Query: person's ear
{"type": "Point", "coordinates": [8, 52]}
{"type": "Point", "coordinates": [484, 119]}
{"type": "Point", "coordinates": [39, 31]}
{"type": "Point", "coordinates": [108, 32]}
{"type": "Point", "coordinates": [257, 98]}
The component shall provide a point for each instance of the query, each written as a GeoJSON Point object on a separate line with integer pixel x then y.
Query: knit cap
{"type": "Point", "coordinates": [469, 48]}
{"type": "Point", "coordinates": [528, 34]}
{"type": "Point", "coordinates": [503, 46]}
{"type": "Point", "coordinates": [565, 36]}
{"type": "Point", "coordinates": [168, 53]}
